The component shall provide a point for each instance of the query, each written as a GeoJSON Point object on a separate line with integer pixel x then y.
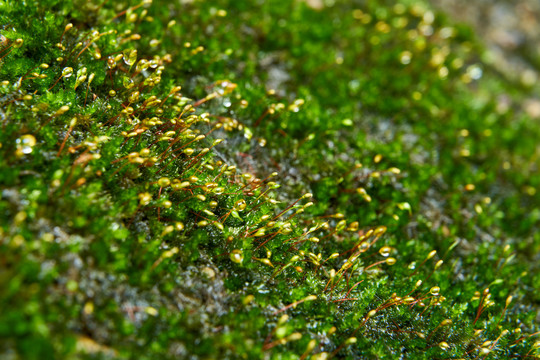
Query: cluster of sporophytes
{"type": "Point", "coordinates": [143, 145]}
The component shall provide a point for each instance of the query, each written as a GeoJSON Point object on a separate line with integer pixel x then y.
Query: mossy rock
{"type": "Point", "coordinates": [277, 179]}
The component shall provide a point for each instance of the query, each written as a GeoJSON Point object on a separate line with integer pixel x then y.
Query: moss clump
{"type": "Point", "coordinates": [303, 183]}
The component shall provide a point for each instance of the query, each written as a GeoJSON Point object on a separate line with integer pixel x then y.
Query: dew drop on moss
{"type": "Point", "coordinates": [67, 72]}
{"type": "Point", "coordinates": [130, 57]}
{"type": "Point", "coordinates": [237, 256]}
{"type": "Point", "coordinates": [384, 251]}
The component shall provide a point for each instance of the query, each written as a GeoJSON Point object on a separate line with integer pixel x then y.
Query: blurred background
{"type": "Point", "coordinates": [511, 31]}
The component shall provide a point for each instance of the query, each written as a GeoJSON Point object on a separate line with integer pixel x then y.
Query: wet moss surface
{"type": "Point", "coordinates": [277, 179]}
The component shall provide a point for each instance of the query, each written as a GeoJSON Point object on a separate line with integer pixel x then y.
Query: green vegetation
{"type": "Point", "coordinates": [262, 179]}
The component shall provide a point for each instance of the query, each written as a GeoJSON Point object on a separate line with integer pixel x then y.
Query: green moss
{"type": "Point", "coordinates": [124, 232]}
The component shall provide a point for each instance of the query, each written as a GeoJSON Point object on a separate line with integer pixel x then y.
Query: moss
{"type": "Point", "coordinates": [234, 179]}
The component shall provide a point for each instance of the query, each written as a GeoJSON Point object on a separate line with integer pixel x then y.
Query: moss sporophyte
{"type": "Point", "coordinates": [318, 180]}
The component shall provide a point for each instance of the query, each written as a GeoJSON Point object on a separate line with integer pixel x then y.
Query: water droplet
{"type": "Point", "coordinates": [94, 35]}
{"type": "Point", "coordinates": [130, 57]}
{"type": "Point", "coordinates": [237, 256]}
{"type": "Point", "coordinates": [127, 82]}
{"type": "Point", "coordinates": [26, 143]}
{"type": "Point", "coordinates": [111, 63]}
{"type": "Point", "coordinates": [240, 205]}
{"type": "Point", "coordinates": [17, 43]}
{"type": "Point", "coordinates": [363, 246]}
{"type": "Point", "coordinates": [405, 57]}
{"type": "Point", "coordinates": [27, 140]}
{"type": "Point", "coordinates": [385, 251]}
{"type": "Point", "coordinates": [67, 72]}
{"type": "Point", "coordinates": [475, 72]}
{"type": "Point", "coordinates": [142, 65]}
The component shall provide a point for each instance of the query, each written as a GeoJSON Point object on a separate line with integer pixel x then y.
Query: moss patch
{"type": "Point", "coordinates": [233, 179]}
